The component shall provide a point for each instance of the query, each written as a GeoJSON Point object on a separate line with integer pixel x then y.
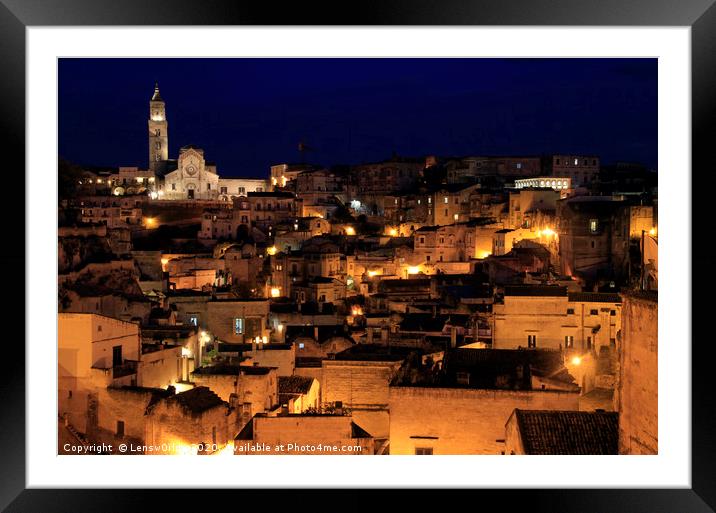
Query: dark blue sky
{"type": "Point", "coordinates": [250, 113]}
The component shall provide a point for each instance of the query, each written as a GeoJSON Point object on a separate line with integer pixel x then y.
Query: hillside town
{"type": "Point", "coordinates": [419, 305]}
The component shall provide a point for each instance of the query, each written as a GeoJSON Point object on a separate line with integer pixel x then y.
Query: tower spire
{"type": "Point", "coordinates": [156, 97]}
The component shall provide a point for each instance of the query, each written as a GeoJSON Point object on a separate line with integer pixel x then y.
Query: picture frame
{"type": "Point", "coordinates": [700, 15]}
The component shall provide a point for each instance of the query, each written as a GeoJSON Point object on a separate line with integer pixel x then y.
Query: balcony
{"type": "Point", "coordinates": [127, 368]}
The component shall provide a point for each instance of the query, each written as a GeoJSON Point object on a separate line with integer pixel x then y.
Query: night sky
{"type": "Point", "coordinates": [250, 113]}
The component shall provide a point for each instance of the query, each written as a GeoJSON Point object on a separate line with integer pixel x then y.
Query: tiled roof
{"type": "Point", "coordinates": [595, 297]}
{"type": "Point", "coordinates": [294, 384]}
{"type": "Point", "coordinates": [197, 400]}
{"type": "Point", "coordinates": [568, 432]}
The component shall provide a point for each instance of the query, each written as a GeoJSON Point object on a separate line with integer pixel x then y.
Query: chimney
{"type": "Point", "coordinates": [453, 337]}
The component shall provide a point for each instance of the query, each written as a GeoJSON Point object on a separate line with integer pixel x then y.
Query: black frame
{"type": "Point", "coordinates": [700, 15]}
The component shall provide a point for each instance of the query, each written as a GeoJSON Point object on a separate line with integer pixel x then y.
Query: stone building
{"type": "Point", "coordinates": [359, 377]}
{"type": "Point", "coordinates": [533, 208]}
{"type": "Point", "coordinates": [594, 238]}
{"type": "Point", "coordinates": [298, 393]}
{"type": "Point", "coordinates": [94, 352]}
{"type": "Point", "coordinates": [237, 320]}
{"type": "Point", "coordinates": [460, 405]}
{"type": "Point", "coordinates": [247, 388]}
{"type": "Point", "coordinates": [637, 394]}
{"type": "Point", "coordinates": [547, 316]}
{"type": "Point", "coordinates": [196, 421]}
{"type": "Point", "coordinates": [582, 170]}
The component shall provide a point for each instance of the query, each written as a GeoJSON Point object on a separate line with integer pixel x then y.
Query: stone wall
{"type": "Point", "coordinates": [462, 421]}
{"type": "Point", "coordinates": [637, 390]}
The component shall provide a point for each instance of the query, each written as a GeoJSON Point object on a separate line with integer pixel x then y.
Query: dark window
{"type": "Point", "coordinates": [593, 311]}
{"type": "Point", "coordinates": [116, 356]}
{"type": "Point", "coordinates": [531, 340]}
{"type": "Point", "coordinates": [570, 311]}
{"type": "Point", "coordinates": [424, 451]}
{"type": "Point", "coordinates": [120, 428]}
{"type": "Point", "coordinates": [589, 342]}
{"type": "Point", "coordinates": [612, 313]}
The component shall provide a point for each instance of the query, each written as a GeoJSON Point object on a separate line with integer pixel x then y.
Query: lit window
{"type": "Point", "coordinates": [445, 199]}
{"type": "Point", "coordinates": [569, 341]}
{"type": "Point", "coordinates": [593, 225]}
{"type": "Point", "coordinates": [301, 345]}
{"type": "Point", "coordinates": [576, 162]}
{"type": "Point", "coordinates": [238, 326]}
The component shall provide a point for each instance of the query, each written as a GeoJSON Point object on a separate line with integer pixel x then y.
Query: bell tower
{"type": "Point", "coordinates": [158, 137]}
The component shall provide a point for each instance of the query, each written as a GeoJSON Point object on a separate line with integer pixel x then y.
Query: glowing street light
{"type": "Point", "coordinates": [150, 222]}
{"type": "Point", "coordinates": [413, 269]}
{"type": "Point", "coordinates": [275, 292]}
{"type": "Point", "coordinates": [653, 232]}
{"type": "Point", "coordinates": [271, 251]}
{"type": "Point", "coordinates": [576, 360]}
{"type": "Point", "coordinates": [393, 232]}
{"type": "Point", "coordinates": [350, 230]}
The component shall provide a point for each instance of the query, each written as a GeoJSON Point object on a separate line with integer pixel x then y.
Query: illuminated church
{"type": "Point", "coordinates": [190, 177]}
